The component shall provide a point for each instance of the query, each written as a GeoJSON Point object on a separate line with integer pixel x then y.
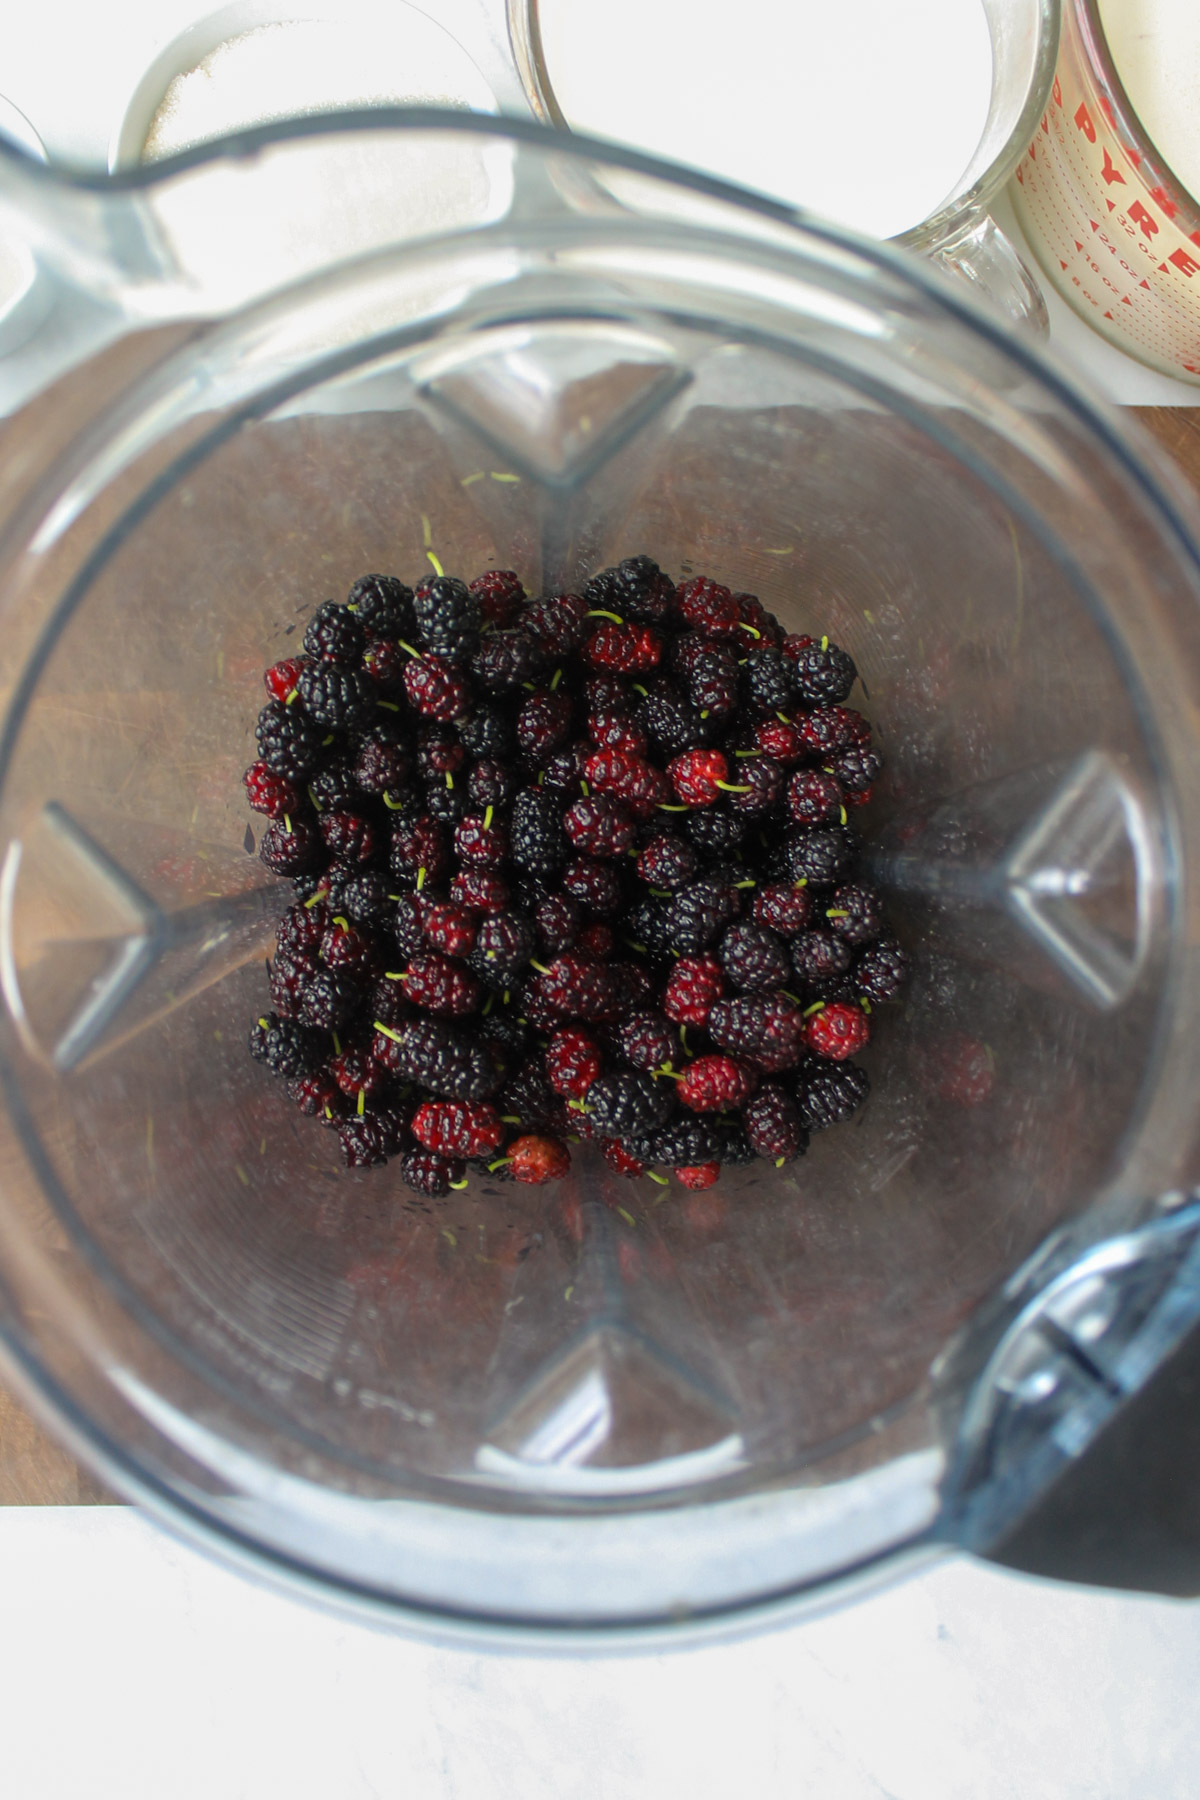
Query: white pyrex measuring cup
{"type": "Point", "coordinates": [1112, 226]}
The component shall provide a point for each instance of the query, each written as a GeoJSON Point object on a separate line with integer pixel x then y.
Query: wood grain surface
{"type": "Point", "coordinates": [35, 1471]}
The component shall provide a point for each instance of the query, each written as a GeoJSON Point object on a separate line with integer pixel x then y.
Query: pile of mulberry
{"type": "Point", "coordinates": [567, 869]}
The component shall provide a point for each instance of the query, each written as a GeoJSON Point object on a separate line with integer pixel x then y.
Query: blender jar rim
{"type": "Point", "coordinates": [873, 257]}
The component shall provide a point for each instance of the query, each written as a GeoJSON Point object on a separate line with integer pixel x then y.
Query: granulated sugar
{"type": "Point", "coordinates": [313, 66]}
{"type": "Point", "coordinates": [867, 112]}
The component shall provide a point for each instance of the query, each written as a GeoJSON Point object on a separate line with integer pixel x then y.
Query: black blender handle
{"type": "Point", "coordinates": [1126, 1512]}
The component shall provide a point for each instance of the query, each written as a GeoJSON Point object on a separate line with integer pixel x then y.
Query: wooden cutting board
{"type": "Point", "coordinates": [34, 1471]}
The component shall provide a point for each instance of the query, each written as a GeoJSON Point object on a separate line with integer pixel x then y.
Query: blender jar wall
{"type": "Point", "coordinates": [514, 1407]}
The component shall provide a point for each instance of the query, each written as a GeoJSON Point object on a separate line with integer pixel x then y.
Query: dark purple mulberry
{"type": "Point", "coordinates": [334, 634]}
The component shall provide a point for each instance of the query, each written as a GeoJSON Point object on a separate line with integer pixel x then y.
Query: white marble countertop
{"type": "Point", "coordinates": [132, 1667]}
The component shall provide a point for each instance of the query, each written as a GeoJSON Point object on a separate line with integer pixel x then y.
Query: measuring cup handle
{"type": "Point", "coordinates": [982, 255]}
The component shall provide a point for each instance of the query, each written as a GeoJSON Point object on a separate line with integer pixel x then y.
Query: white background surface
{"type": "Point", "coordinates": [131, 1667]}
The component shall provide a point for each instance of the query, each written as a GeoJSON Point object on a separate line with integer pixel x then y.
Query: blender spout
{"type": "Point", "coordinates": [206, 233]}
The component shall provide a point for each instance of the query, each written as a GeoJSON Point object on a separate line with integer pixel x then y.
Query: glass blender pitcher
{"type": "Point", "coordinates": [347, 345]}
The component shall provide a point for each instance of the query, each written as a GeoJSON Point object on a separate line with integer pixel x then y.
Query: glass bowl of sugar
{"type": "Point", "coordinates": [252, 62]}
{"type": "Point", "coordinates": [899, 122]}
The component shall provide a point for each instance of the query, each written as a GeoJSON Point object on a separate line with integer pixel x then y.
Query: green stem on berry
{"type": "Point", "coordinates": [683, 1039]}
{"type": "Point", "coordinates": [326, 741]}
{"type": "Point", "coordinates": [387, 1031]}
{"type": "Point", "coordinates": [555, 679]}
{"type": "Point", "coordinates": [752, 629]}
{"type": "Point", "coordinates": [599, 613]}
{"type": "Point", "coordinates": [487, 819]}
{"type": "Point", "coordinates": [731, 787]}
{"type": "Point", "coordinates": [540, 967]}
{"type": "Point", "coordinates": [437, 567]}
{"type": "Point", "coordinates": [388, 705]}
{"type": "Point", "coordinates": [864, 1003]}
{"type": "Point", "coordinates": [666, 806]}
{"type": "Point", "coordinates": [421, 872]}
{"type": "Point", "coordinates": [344, 923]}
{"type": "Point", "coordinates": [668, 1071]}
{"type": "Point", "coordinates": [509, 1119]}
{"type": "Point", "coordinates": [287, 823]}
{"type": "Point", "coordinates": [779, 1161]}
{"type": "Point", "coordinates": [501, 1162]}
{"type": "Point", "coordinates": [843, 813]}
{"type": "Point", "coordinates": [835, 912]}
{"type": "Point", "coordinates": [824, 643]}
{"type": "Point", "coordinates": [745, 884]}
{"type": "Point", "coordinates": [794, 998]}
{"type": "Point", "coordinates": [487, 1006]}
{"type": "Point", "coordinates": [639, 689]}
{"type": "Point", "coordinates": [321, 894]}
{"type": "Point", "coordinates": [417, 653]}
{"type": "Point", "coordinates": [362, 1101]}
{"type": "Point", "coordinates": [783, 718]}
{"type": "Point", "coordinates": [458, 1186]}
{"type": "Point", "coordinates": [584, 788]}
{"type": "Point", "coordinates": [295, 691]}
{"type": "Point", "coordinates": [747, 753]}
{"type": "Point", "coordinates": [640, 948]}
{"type": "Point", "coordinates": [265, 1023]}
{"type": "Point", "coordinates": [661, 893]}
{"type": "Point", "coordinates": [627, 1216]}
{"type": "Point", "coordinates": [816, 1007]}
{"type": "Point", "coordinates": [337, 1043]}
{"type": "Point", "coordinates": [704, 711]}
{"type": "Point", "coordinates": [392, 806]}
{"type": "Point", "coordinates": [449, 779]}
{"type": "Point", "coordinates": [661, 1179]}
{"type": "Point", "coordinates": [802, 883]}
